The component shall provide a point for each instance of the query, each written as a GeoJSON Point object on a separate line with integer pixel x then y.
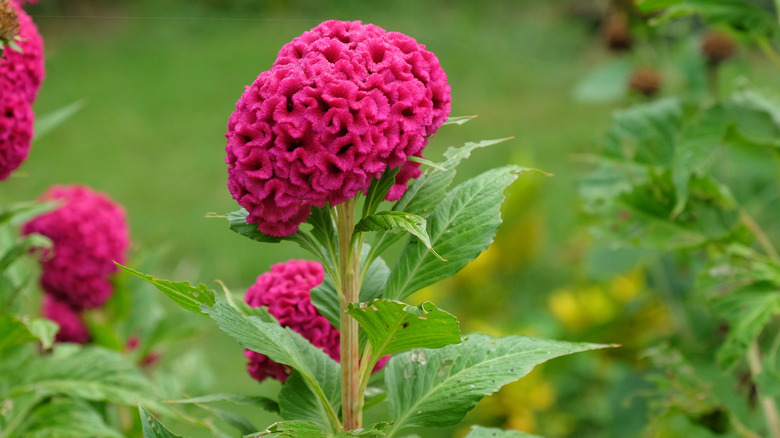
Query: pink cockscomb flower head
{"type": "Point", "coordinates": [16, 130]}
{"type": "Point", "coordinates": [89, 232]}
{"type": "Point", "coordinates": [286, 292]}
{"type": "Point", "coordinates": [72, 328]}
{"type": "Point", "coordinates": [342, 104]}
{"type": "Point", "coordinates": [22, 72]}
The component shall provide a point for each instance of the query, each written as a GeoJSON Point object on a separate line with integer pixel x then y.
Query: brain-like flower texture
{"type": "Point", "coordinates": [286, 292]}
{"type": "Point", "coordinates": [342, 103]}
{"type": "Point", "coordinates": [21, 74]}
{"type": "Point", "coordinates": [89, 232]}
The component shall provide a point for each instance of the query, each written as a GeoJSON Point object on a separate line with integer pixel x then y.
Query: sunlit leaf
{"type": "Point", "coordinates": [184, 294]}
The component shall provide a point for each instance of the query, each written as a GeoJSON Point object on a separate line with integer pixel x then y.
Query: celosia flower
{"type": "Point", "coordinates": [89, 232]}
{"type": "Point", "coordinates": [22, 72]}
{"type": "Point", "coordinates": [20, 77]}
{"type": "Point", "coordinates": [342, 104]}
{"type": "Point", "coordinates": [285, 291]}
{"type": "Point", "coordinates": [16, 130]}
{"type": "Point", "coordinates": [72, 328]}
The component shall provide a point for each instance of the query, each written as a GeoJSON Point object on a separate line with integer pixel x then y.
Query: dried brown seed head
{"type": "Point", "coordinates": [645, 81]}
{"type": "Point", "coordinates": [718, 47]}
{"type": "Point", "coordinates": [616, 32]}
{"type": "Point", "coordinates": [9, 22]}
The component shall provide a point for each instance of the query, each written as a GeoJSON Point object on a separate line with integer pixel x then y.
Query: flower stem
{"type": "Point", "coordinates": [768, 404]}
{"type": "Point", "coordinates": [349, 268]}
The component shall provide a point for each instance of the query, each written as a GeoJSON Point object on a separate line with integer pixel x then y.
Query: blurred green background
{"type": "Point", "coordinates": [158, 80]}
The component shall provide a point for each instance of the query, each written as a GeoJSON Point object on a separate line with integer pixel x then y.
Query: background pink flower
{"type": "Point", "coordinates": [72, 328]}
{"type": "Point", "coordinates": [285, 291]}
{"type": "Point", "coordinates": [342, 104]}
{"type": "Point", "coordinates": [21, 75]}
{"type": "Point", "coordinates": [89, 232]}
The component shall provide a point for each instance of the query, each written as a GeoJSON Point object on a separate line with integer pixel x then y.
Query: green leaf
{"type": "Point", "coordinates": [378, 190]}
{"type": "Point", "coordinates": [15, 331]}
{"type": "Point", "coordinates": [427, 191]}
{"type": "Point", "coordinates": [426, 162]}
{"type": "Point", "coordinates": [458, 120]}
{"type": "Point", "coordinates": [187, 296]}
{"type": "Point", "coordinates": [398, 220]}
{"type": "Point", "coordinates": [237, 421]}
{"type": "Point", "coordinates": [19, 213]}
{"type": "Point", "coordinates": [290, 429]}
{"type": "Point", "coordinates": [646, 133]}
{"type": "Point", "coordinates": [22, 248]}
{"type": "Point", "coordinates": [108, 377]}
{"type": "Point", "coordinates": [392, 326]}
{"type": "Point", "coordinates": [47, 122]}
{"type": "Point", "coordinates": [436, 388]}
{"type": "Point", "coordinates": [284, 346]}
{"type": "Point", "coordinates": [237, 223]}
{"type": "Point", "coordinates": [241, 399]}
{"type": "Point", "coordinates": [462, 226]}
{"type": "Point", "coordinates": [298, 402]}
{"type": "Point", "coordinates": [491, 432]}
{"type": "Point", "coordinates": [153, 428]}
{"type": "Point", "coordinates": [66, 418]}
{"type": "Point", "coordinates": [740, 15]}
{"type": "Point", "coordinates": [324, 229]}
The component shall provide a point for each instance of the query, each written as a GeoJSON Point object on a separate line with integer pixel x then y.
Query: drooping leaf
{"type": "Point", "coordinates": [462, 226]}
{"type": "Point", "coordinates": [153, 428]}
{"type": "Point", "coordinates": [109, 377]}
{"type": "Point", "coordinates": [235, 420]}
{"type": "Point", "coordinates": [15, 331]}
{"type": "Point", "coordinates": [397, 220]}
{"type": "Point", "coordinates": [241, 399]}
{"type": "Point", "coordinates": [237, 223]}
{"type": "Point", "coordinates": [646, 133]}
{"type": "Point", "coordinates": [284, 346]}
{"type": "Point", "coordinates": [184, 294]}
{"type": "Point", "coordinates": [21, 248]}
{"type": "Point", "coordinates": [436, 388]}
{"type": "Point", "coordinates": [66, 418]}
{"type": "Point", "coordinates": [392, 326]}
{"type": "Point", "coordinates": [491, 432]}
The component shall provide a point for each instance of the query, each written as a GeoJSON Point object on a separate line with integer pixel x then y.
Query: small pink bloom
{"type": "Point", "coordinates": [342, 104]}
{"type": "Point", "coordinates": [72, 328]}
{"type": "Point", "coordinates": [285, 291]}
{"type": "Point", "coordinates": [89, 232]}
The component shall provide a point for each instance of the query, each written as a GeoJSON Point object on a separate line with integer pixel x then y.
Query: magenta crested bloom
{"type": "Point", "coordinates": [23, 72]}
{"type": "Point", "coordinates": [16, 130]}
{"type": "Point", "coordinates": [72, 328]}
{"type": "Point", "coordinates": [89, 232]}
{"type": "Point", "coordinates": [285, 291]}
{"type": "Point", "coordinates": [342, 104]}
{"type": "Point", "coordinates": [20, 77]}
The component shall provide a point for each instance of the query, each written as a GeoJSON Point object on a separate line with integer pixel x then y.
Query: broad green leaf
{"type": "Point", "coordinates": [108, 377]}
{"type": "Point", "coordinates": [15, 331]}
{"type": "Point", "coordinates": [298, 402]}
{"type": "Point", "coordinates": [605, 83]}
{"type": "Point", "coordinates": [284, 346]}
{"type": "Point", "coordinates": [397, 220]}
{"type": "Point", "coordinates": [458, 120]}
{"type": "Point", "coordinates": [696, 149]}
{"type": "Point", "coordinates": [378, 190]}
{"type": "Point", "coordinates": [491, 432]}
{"type": "Point", "coordinates": [187, 296]}
{"type": "Point", "coordinates": [289, 429]}
{"type": "Point", "coordinates": [462, 226]}
{"type": "Point", "coordinates": [740, 15]}
{"type": "Point", "coordinates": [392, 326]}
{"type": "Point", "coordinates": [241, 399]}
{"type": "Point", "coordinates": [153, 428]}
{"type": "Point", "coordinates": [748, 311]}
{"type": "Point", "coordinates": [436, 388]}
{"type": "Point", "coordinates": [646, 133]}
{"type": "Point", "coordinates": [235, 420]}
{"type": "Point", "coordinates": [47, 122]}
{"type": "Point", "coordinates": [66, 418]}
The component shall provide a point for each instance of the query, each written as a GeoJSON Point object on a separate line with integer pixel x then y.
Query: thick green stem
{"type": "Point", "coordinates": [768, 404]}
{"type": "Point", "coordinates": [349, 268]}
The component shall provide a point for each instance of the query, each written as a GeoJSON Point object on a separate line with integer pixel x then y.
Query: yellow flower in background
{"type": "Point", "coordinates": [628, 286]}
